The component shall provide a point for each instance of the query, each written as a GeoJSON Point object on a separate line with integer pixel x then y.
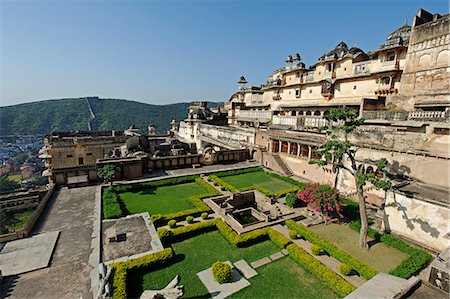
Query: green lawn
{"type": "Point", "coordinates": [198, 253]}
{"type": "Point", "coordinates": [19, 219]}
{"type": "Point", "coordinates": [258, 178]}
{"type": "Point", "coordinates": [162, 200]}
{"type": "Point", "coordinates": [380, 256]}
{"type": "Point", "coordinates": [284, 278]}
{"type": "Point", "coordinates": [16, 177]}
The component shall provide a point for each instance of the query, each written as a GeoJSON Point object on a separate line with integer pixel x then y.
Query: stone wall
{"type": "Point", "coordinates": [423, 222]}
{"type": "Point", "coordinates": [426, 76]}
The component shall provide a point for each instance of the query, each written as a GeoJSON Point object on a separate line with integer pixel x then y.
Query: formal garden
{"type": "Point", "coordinates": [193, 246]}
{"type": "Point", "coordinates": [256, 178]}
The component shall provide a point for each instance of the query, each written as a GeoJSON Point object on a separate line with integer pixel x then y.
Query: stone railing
{"type": "Point", "coordinates": [302, 122]}
{"type": "Point", "coordinates": [398, 116]}
{"type": "Point", "coordinates": [257, 115]}
{"type": "Point", "coordinates": [285, 120]}
{"type": "Point", "coordinates": [385, 115]}
{"type": "Point", "coordinates": [431, 115]}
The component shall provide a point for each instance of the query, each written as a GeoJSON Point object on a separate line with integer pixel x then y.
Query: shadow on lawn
{"type": "Point", "coordinates": [148, 191]}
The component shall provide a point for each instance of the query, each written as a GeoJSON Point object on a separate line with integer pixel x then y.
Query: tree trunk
{"type": "Point", "coordinates": [364, 220]}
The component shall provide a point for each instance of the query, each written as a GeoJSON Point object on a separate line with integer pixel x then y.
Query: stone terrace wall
{"type": "Point", "coordinates": [426, 76]}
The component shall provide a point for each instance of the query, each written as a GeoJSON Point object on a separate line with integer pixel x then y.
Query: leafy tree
{"type": "Point", "coordinates": [108, 172]}
{"type": "Point", "coordinates": [7, 185]}
{"type": "Point", "coordinates": [337, 150]}
{"type": "Point", "coordinates": [323, 198]}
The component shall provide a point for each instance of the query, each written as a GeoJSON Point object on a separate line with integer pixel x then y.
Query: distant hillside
{"type": "Point", "coordinates": [73, 115]}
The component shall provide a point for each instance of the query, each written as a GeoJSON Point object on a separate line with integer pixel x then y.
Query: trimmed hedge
{"type": "Point", "coordinates": [160, 219]}
{"type": "Point", "coordinates": [237, 171]}
{"type": "Point", "coordinates": [277, 238]}
{"type": "Point", "coordinates": [322, 272]}
{"type": "Point", "coordinates": [246, 239]}
{"type": "Point", "coordinates": [339, 254]}
{"type": "Point", "coordinates": [216, 178]}
{"type": "Point", "coordinates": [111, 204]}
{"type": "Point", "coordinates": [222, 183]}
{"type": "Point", "coordinates": [185, 232]}
{"type": "Point", "coordinates": [200, 206]}
{"type": "Point", "coordinates": [120, 269]}
{"type": "Point", "coordinates": [222, 272]}
{"type": "Point", "coordinates": [172, 223]}
{"type": "Point", "coordinates": [189, 219]}
{"type": "Point", "coordinates": [153, 184]}
{"type": "Point", "coordinates": [293, 234]}
{"type": "Point", "coordinates": [417, 259]}
{"type": "Point", "coordinates": [243, 240]}
{"type": "Point", "coordinates": [315, 249]}
{"type": "Point", "coordinates": [344, 269]}
{"type": "Point", "coordinates": [204, 215]}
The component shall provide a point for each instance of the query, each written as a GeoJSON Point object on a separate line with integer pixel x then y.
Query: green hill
{"type": "Point", "coordinates": [73, 115]}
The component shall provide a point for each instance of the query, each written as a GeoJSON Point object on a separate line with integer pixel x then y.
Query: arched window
{"type": "Point", "coordinates": [317, 112]}
{"type": "Point", "coordinates": [308, 112]}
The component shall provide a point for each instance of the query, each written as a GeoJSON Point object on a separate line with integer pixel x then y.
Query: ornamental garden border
{"type": "Point", "coordinates": [216, 178]}
{"type": "Point", "coordinates": [323, 273]}
{"type": "Point", "coordinates": [416, 260]}
{"type": "Point", "coordinates": [113, 206]}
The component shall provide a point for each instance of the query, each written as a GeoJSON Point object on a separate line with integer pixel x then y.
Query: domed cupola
{"type": "Point", "coordinates": [399, 37]}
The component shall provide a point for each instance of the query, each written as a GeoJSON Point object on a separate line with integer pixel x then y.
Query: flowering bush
{"type": "Point", "coordinates": [323, 198]}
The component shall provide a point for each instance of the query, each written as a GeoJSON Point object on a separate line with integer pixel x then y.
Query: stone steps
{"type": "Point", "coordinates": [287, 171]}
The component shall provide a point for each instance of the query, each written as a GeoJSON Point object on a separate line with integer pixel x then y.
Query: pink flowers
{"type": "Point", "coordinates": [322, 198]}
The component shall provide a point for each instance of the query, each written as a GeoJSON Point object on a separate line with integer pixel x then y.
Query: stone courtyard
{"type": "Point", "coordinates": [71, 211]}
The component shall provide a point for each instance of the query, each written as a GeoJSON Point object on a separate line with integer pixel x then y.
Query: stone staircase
{"type": "Point", "coordinates": [286, 170]}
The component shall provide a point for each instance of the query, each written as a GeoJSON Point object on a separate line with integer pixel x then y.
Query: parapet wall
{"type": "Point", "coordinates": [426, 75]}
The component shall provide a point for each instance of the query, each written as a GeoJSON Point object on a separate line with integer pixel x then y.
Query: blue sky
{"type": "Point", "coordinates": [172, 51]}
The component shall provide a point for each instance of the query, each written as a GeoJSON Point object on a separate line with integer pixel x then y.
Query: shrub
{"type": "Point", "coordinates": [111, 204]}
{"type": "Point", "coordinates": [222, 272]}
{"type": "Point", "coordinates": [164, 233]}
{"type": "Point", "coordinates": [223, 188]}
{"type": "Point", "coordinates": [293, 234]}
{"type": "Point", "coordinates": [189, 219]}
{"type": "Point", "coordinates": [322, 272]}
{"type": "Point", "coordinates": [291, 200]}
{"type": "Point", "coordinates": [172, 223]}
{"type": "Point", "coordinates": [344, 269]}
{"type": "Point", "coordinates": [339, 254]}
{"type": "Point", "coordinates": [277, 238]}
{"type": "Point", "coordinates": [315, 249]}
{"type": "Point", "coordinates": [205, 215]}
